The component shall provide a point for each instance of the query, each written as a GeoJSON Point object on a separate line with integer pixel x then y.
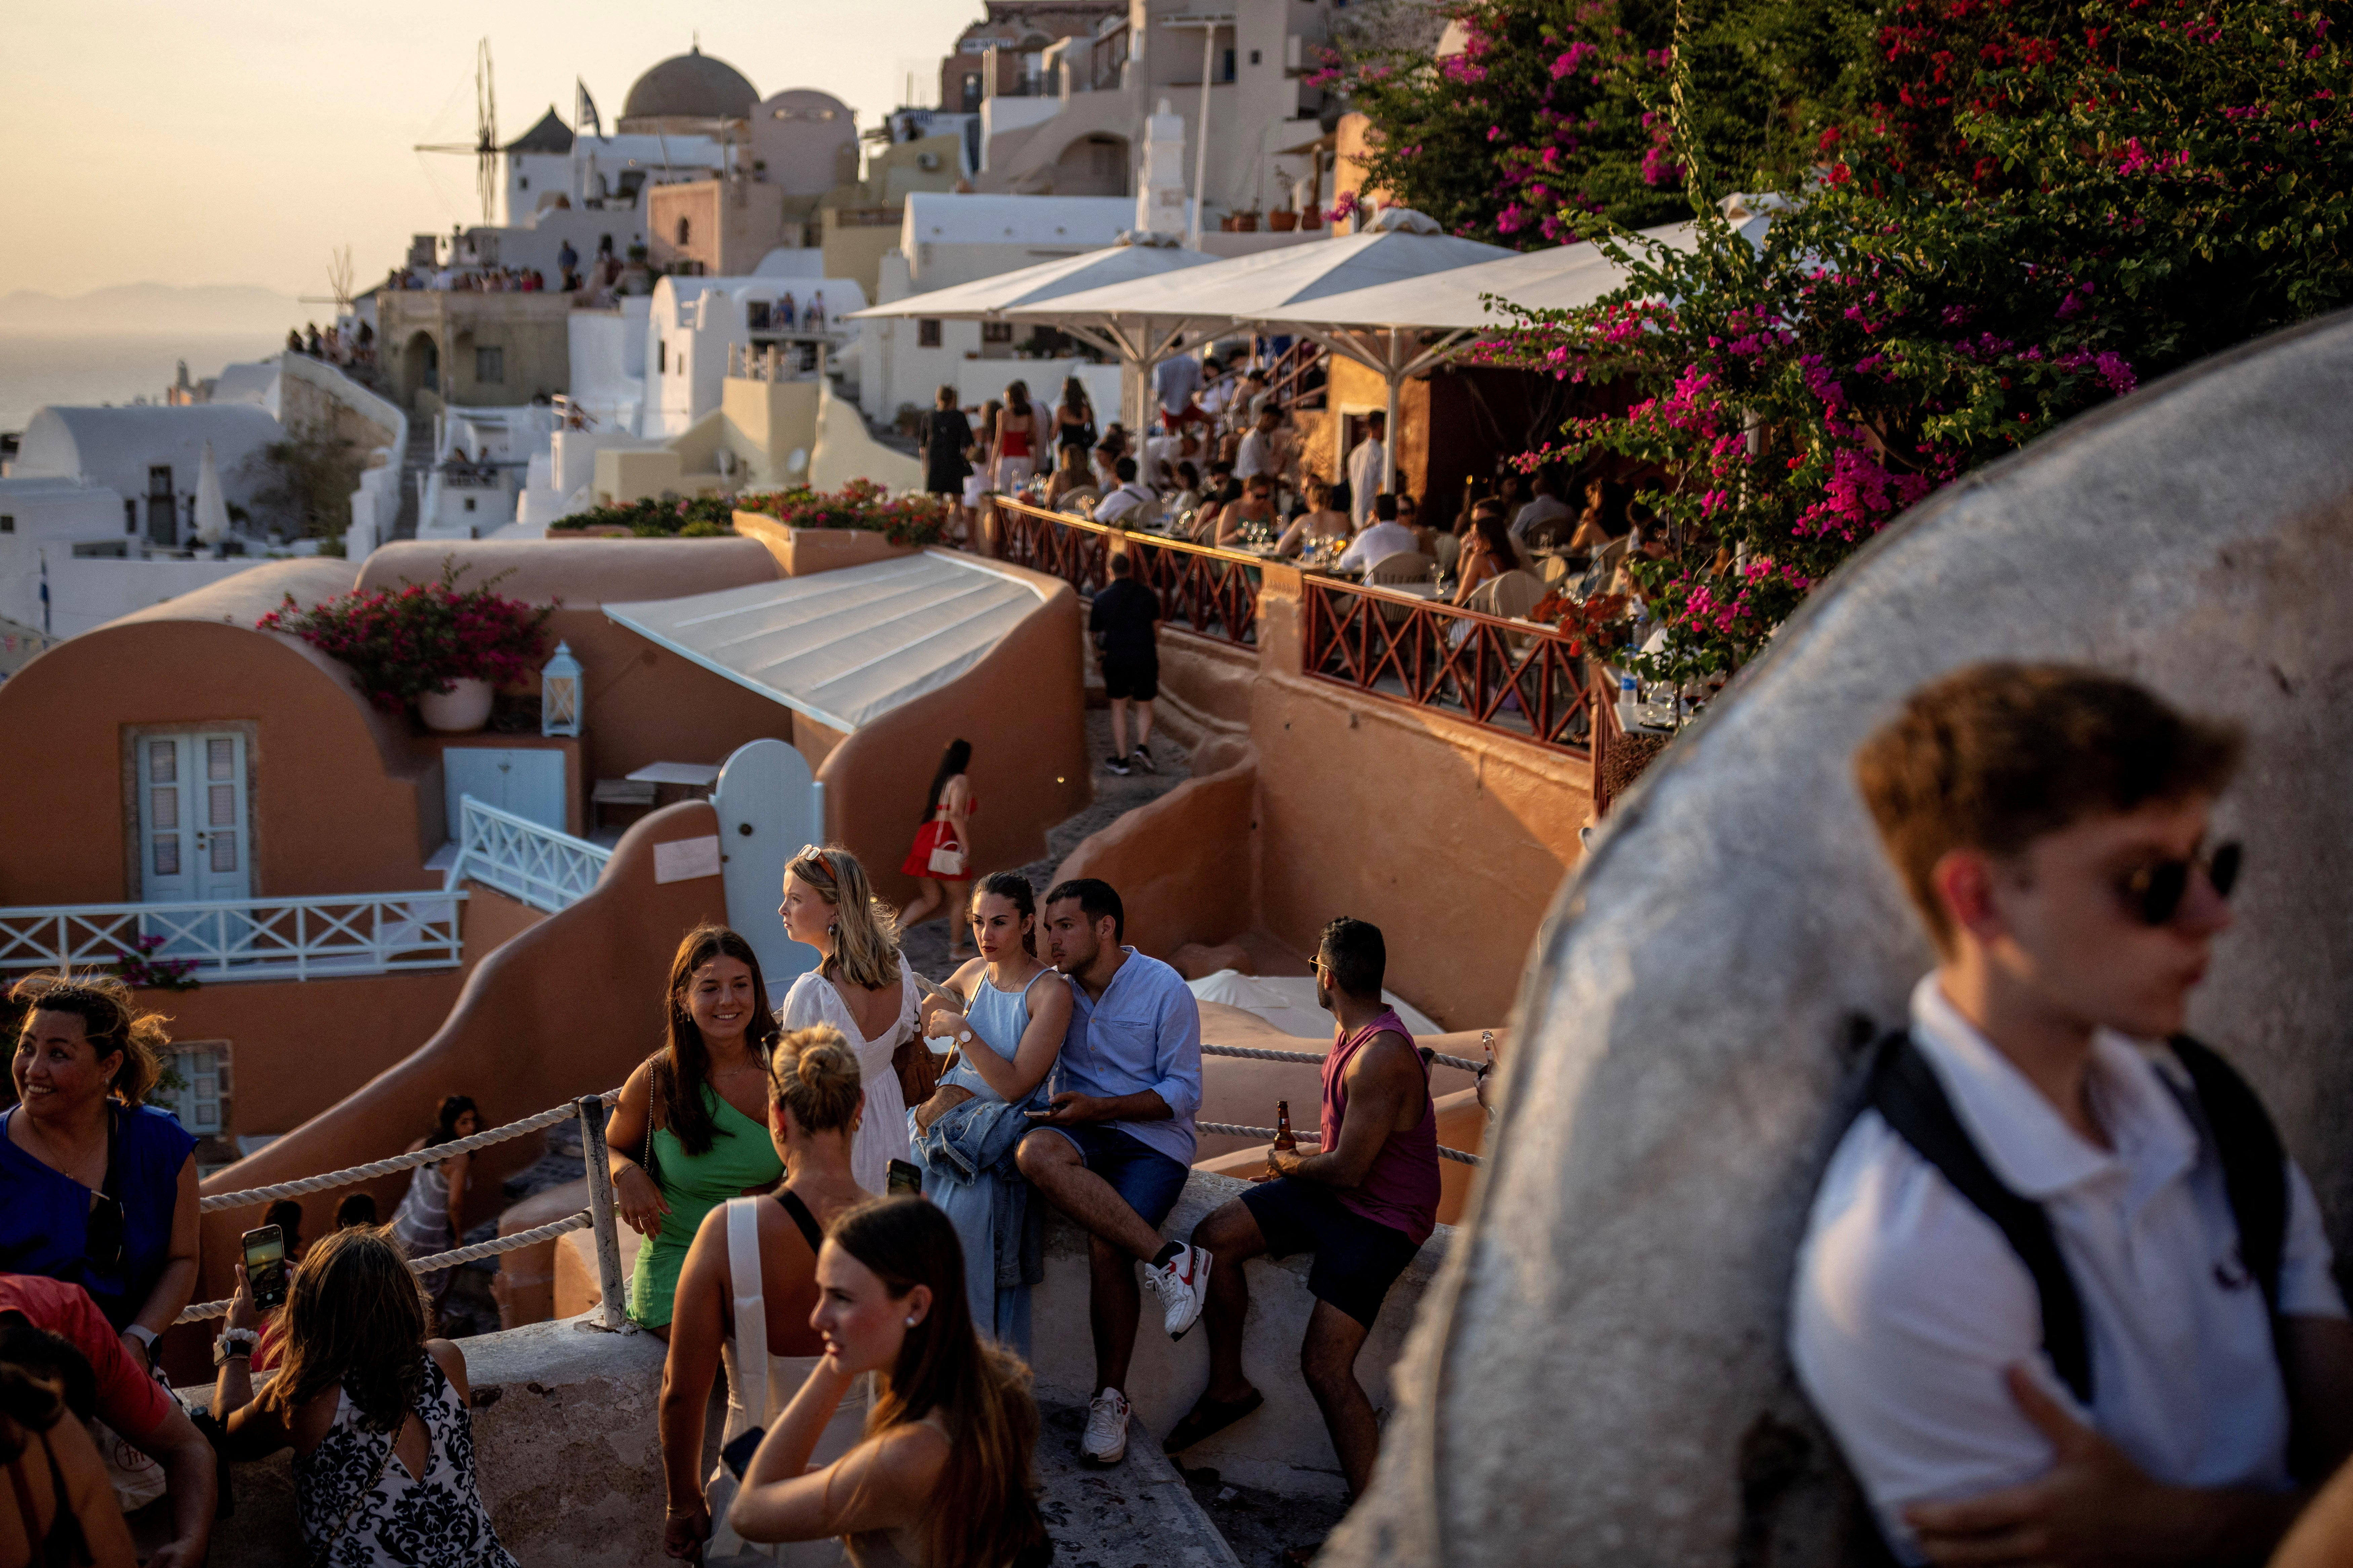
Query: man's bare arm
{"type": "Point", "coordinates": [1381, 1081]}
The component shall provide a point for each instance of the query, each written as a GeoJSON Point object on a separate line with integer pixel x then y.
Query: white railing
{"type": "Point", "coordinates": [243, 939]}
{"type": "Point", "coordinates": [542, 867]}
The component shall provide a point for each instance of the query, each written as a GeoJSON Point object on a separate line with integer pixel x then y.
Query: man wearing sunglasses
{"type": "Point", "coordinates": [2062, 1289]}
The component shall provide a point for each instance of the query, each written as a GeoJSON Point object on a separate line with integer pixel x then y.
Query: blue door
{"type": "Point", "coordinates": [526, 781]}
{"type": "Point", "coordinates": [769, 806]}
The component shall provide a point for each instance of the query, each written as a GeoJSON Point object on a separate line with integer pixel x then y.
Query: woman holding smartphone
{"type": "Point", "coordinates": [748, 1288]}
{"type": "Point", "coordinates": [944, 1477]}
{"type": "Point", "coordinates": [691, 1128]}
{"type": "Point", "coordinates": [360, 1386]}
{"type": "Point", "coordinates": [1007, 1034]}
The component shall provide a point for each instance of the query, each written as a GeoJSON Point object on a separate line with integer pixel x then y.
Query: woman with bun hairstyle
{"type": "Point", "coordinates": [749, 1286]}
{"type": "Point", "coordinates": [691, 1128]}
{"type": "Point", "coordinates": [101, 1188]}
{"type": "Point", "coordinates": [944, 1477]}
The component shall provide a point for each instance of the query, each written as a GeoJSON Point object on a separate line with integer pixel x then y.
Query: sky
{"type": "Point", "coordinates": [236, 141]}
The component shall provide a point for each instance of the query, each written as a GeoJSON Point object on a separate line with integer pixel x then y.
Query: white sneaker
{"type": "Point", "coordinates": [1105, 1441]}
{"type": "Point", "coordinates": [1182, 1284]}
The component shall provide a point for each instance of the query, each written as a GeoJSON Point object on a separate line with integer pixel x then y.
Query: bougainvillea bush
{"type": "Point", "coordinates": [421, 637]}
{"type": "Point", "coordinates": [701, 517]}
{"type": "Point", "coordinates": [914, 519]}
{"type": "Point", "coordinates": [2014, 213]}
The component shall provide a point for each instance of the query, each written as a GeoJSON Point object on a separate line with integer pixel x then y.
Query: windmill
{"type": "Point", "coordinates": [485, 145]}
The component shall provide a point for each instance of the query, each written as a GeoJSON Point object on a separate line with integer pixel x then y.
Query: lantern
{"type": "Point", "coordinates": [559, 694]}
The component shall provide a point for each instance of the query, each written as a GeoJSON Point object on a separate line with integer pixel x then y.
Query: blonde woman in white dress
{"type": "Point", "coordinates": [744, 1299]}
{"type": "Point", "coordinates": [861, 988]}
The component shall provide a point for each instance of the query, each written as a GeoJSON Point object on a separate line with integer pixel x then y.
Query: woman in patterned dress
{"type": "Point", "coordinates": [374, 1411]}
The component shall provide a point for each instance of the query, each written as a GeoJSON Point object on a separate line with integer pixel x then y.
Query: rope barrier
{"type": "Point", "coordinates": [439, 1260]}
{"type": "Point", "coordinates": [1252, 1053]}
{"type": "Point", "coordinates": [1236, 1130]}
{"type": "Point", "coordinates": [398, 1163]}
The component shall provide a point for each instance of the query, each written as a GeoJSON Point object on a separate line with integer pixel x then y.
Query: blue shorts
{"type": "Point", "coordinates": [1146, 1180]}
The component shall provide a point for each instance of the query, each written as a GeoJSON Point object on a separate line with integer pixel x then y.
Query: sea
{"type": "Point", "coordinates": [37, 368]}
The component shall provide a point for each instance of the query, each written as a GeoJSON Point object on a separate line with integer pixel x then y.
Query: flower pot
{"type": "Point", "coordinates": [463, 709]}
{"type": "Point", "coordinates": [1226, 223]}
{"type": "Point", "coordinates": [1282, 222]}
{"type": "Point", "coordinates": [1310, 218]}
{"type": "Point", "coordinates": [1246, 223]}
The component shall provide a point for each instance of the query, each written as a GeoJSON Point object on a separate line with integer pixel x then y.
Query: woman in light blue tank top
{"type": "Point", "coordinates": [1007, 1038]}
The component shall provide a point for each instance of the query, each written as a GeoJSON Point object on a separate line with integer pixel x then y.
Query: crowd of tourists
{"type": "Point", "coordinates": [2062, 1296]}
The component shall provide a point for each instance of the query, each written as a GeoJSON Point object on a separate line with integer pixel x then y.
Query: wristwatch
{"type": "Point", "coordinates": [145, 1336]}
{"type": "Point", "coordinates": [234, 1342]}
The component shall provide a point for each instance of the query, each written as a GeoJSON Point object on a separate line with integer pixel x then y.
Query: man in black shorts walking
{"type": "Point", "coordinates": [1363, 1205]}
{"type": "Point", "coordinates": [1122, 621]}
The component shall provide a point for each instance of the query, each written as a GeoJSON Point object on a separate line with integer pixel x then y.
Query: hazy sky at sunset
{"type": "Point", "coordinates": [237, 141]}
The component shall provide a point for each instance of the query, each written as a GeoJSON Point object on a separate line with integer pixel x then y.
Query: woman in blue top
{"type": "Point", "coordinates": [1007, 1037]}
{"type": "Point", "coordinates": [101, 1189]}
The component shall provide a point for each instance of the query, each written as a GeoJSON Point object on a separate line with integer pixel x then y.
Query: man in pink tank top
{"type": "Point", "coordinates": [1363, 1204]}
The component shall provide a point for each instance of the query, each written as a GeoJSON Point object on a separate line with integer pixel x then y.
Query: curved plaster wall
{"type": "Point", "coordinates": [1601, 1363]}
{"type": "Point", "coordinates": [563, 1009]}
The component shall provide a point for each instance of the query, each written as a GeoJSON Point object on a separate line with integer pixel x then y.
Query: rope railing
{"type": "Point", "coordinates": [1237, 1129]}
{"type": "Point", "coordinates": [597, 1215]}
{"type": "Point", "coordinates": [202, 1310]}
{"type": "Point", "coordinates": [430, 1155]}
{"type": "Point", "coordinates": [1252, 1053]}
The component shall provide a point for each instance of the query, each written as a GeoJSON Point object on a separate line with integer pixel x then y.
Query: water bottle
{"type": "Point", "coordinates": [1629, 697]}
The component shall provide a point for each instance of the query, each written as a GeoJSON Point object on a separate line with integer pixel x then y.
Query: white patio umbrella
{"type": "Point", "coordinates": [212, 510]}
{"type": "Point", "coordinates": [1398, 247]}
{"type": "Point", "coordinates": [1404, 327]}
{"type": "Point", "coordinates": [1134, 257]}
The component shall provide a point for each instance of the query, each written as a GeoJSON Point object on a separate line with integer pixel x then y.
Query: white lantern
{"type": "Point", "coordinates": [559, 694]}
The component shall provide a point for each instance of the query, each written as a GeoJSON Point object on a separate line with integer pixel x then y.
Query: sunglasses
{"type": "Point", "coordinates": [102, 1234]}
{"type": "Point", "coordinates": [2155, 892]}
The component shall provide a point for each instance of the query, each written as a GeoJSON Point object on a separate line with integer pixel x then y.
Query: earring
{"type": "Point", "coordinates": [911, 1322]}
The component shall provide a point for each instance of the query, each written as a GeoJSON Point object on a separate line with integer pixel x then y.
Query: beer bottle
{"type": "Point", "coordinates": [1283, 1138]}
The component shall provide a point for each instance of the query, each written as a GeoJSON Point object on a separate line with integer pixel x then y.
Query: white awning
{"type": "Point", "coordinates": [986, 296]}
{"type": "Point", "coordinates": [846, 647]}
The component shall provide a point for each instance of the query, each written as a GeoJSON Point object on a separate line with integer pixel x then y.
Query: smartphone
{"type": "Point", "coordinates": [737, 1456]}
{"type": "Point", "coordinates": [905, 1179]}
{"type": "Point", "coordinates": [265, 1266]}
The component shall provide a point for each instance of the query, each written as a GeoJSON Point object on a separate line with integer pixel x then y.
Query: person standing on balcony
{"type": "Point", "coordinates": [690, 1131]}
{"type": "Point", "coordinates": [1175, 380]}
{"type": "Point", "coordinates": [432, 1215]}
{"type": "Point", "coordinates": [1013, 458]}
{"type": "Point", "coordinates": [1114, 1146]}
{"type": "Point", "coordinates": [102, 1188]}
{"type": "Point", "coordinates": [1363, 1204]}
{"type": "Point", "coordinates": [865, 988]}
{"type": "Point", "coordinates": [1365, 466]}
{"type": "Point", "coordinates": [750, 1284]}
{"type": "Point", "coordinates": [1123, 621]}
{"type": "Point", "coordinates": [941, 858]}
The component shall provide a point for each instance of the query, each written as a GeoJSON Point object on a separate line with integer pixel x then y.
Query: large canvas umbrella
{"type": "Point", "coordinates": [212, 507]}
{"type": "Point", "coordinates": [1398, 247]}
{"type": "Point", "coordinates": [1134, 257]}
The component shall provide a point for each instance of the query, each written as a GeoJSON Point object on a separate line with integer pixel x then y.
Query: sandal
{"type": "Point", "coordinates": [1207, 1419]}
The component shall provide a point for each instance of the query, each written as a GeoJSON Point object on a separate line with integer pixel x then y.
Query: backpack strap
{"type": "Point", "coordinates": [1905, 1091]}
{"type": "Point", "coordinates": [2253, 1160]}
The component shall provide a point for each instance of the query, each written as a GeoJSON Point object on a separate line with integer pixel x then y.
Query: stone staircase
{"type": "Point", "coordinates": [416, 461]}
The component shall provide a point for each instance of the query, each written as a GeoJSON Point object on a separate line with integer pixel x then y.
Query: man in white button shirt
{"type": "Point", "coordinates": [2111, 1392]}
{"type": "Point", "coordinates": [1365, 466]}
{"type": "Point", "coordinates": [1260, 449]}
{"type": "Point", "coordinates": [1128, 499]}
{"type": "Point", "coordinates": [1386, 537]}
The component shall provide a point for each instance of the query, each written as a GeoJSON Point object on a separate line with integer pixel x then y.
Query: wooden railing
{"type": "Point", "coordinates": [1516, 677]}
{"type": "Point", "coordinates": [1204, 590]}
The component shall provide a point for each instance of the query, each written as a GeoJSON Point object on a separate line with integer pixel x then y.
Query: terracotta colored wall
{"type": "Point", "coordinates": [1452, 840]}
{"type": "Point", "coordinates": [336, 786]}
{"type": "Point", "coordinates": [803, 551]}
{"type": "Point", "coordinates": [565, 1008]}
{"type": "Point", "coordinates": [1206, 686]}
{"type": "Point", "coordinates": [1022, 708]}
{"type": "Point", "coordinates": [1182, 863]}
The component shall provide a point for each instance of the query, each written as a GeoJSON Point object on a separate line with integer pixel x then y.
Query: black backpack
{"type": "Point", "coordinates": [1904, 1089]}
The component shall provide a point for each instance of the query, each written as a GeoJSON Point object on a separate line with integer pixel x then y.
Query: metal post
{"type": "Point", "coordinates": [609, 1315]}
{"type": "Point", "coordinates": [1202, 147]}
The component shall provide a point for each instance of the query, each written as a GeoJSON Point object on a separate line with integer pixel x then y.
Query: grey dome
{"type": "Point", "coordinates": [691, 85]}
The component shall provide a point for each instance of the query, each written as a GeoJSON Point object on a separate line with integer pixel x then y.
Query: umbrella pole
{"type": "Point", "coordinates": [1390, 445]}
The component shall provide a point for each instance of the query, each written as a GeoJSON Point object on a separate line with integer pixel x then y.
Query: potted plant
{"type": "Point", "coordinates": [445, 648]}
{"type": "Point", "coordinates": [1247, 223]}
{"type": "Point", "coordinates": [1282, 220]}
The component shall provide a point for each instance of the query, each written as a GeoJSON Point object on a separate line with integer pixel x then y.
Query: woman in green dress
{"type": "Point", "coordinates": [691, 1129]}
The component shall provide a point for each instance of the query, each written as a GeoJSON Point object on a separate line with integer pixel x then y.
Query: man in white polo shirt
{"type": "Point", "coordinates": [2035, 1302]}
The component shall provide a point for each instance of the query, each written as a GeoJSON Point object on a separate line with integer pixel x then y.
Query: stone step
{"type": "Point", "coordinates": [1138, 1511]}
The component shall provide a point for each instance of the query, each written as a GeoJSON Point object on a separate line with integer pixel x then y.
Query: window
{"type": "Point", "coordinates": [755, 315]}
{"type": "Point", "coordinates": [129, 516]}
{"type": "Point", "coordinates": [159, 480]}
{"type": "Point", "coordinates": [662, 356]}
{"type": "Point", "coordinates": [202, 1066]}
{"type": "Point", "coordinates": [927, 332]}
{"type": "Point", "coordinates": [681, 231]}
{"type": "Point", "coordinates": [1253, 56]}
{"type": "Point", "coordinates": [522, 182]}
{"type": "Point", "coordinates": [470, 503]}
{"type": "Point", "coordinates": [997, 332]}
{"type": "Point", "coordinates": [8, 523]}
{"type": "Point", "coordinates": [489, 364]}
